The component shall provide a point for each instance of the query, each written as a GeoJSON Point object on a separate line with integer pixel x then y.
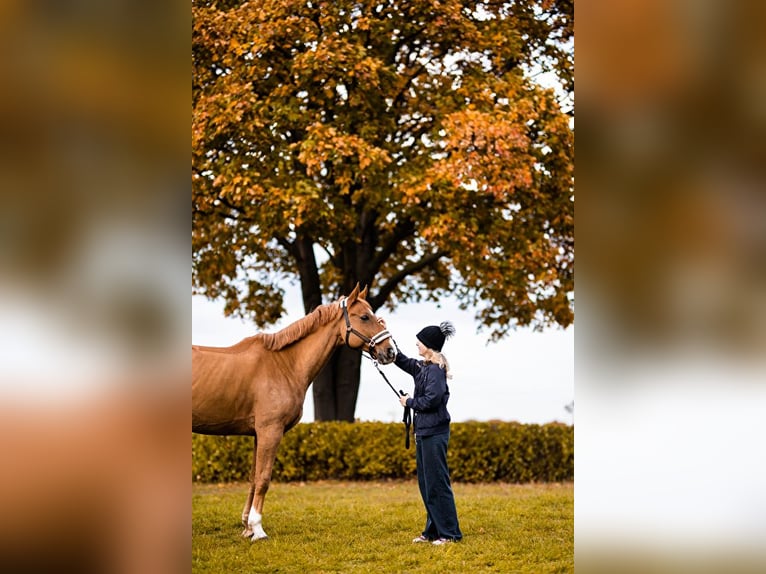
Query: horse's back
{"type": "Point", "coordinates": [245, 344]}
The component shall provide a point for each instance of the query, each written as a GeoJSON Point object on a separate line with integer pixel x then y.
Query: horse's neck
{"type": "Point", "coordinates": [307, 356]}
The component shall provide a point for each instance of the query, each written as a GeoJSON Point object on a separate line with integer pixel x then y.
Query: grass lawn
{"type": "Point", "coordinates": [367, 527]}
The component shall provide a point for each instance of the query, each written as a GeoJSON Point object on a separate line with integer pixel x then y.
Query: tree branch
{"type": "Point", "coordinates": [403, 229]}
{"type": "Point", "coordinates": [393, 282]}
{"type": "Point", "coordinates": [402, 42]}
{"type": "Point", "coordinates": [288, 245]}
{"type": "Point", "coordinates": [399, 98]}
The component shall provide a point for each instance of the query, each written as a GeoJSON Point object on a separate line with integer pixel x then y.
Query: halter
{"type": "Point", "coordinates": [377, 338]}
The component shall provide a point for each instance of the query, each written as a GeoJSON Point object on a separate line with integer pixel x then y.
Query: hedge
{"type": "Point", "coordinates": [478, 452]}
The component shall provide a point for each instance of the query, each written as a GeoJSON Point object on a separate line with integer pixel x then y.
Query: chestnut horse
{"type": "Point", "coordinates": [257, 387]}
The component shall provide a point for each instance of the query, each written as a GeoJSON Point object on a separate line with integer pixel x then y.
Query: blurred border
{"type": "Point", "coordinates": [94, 286]}
{"type": "Point", "coordinates": [671, 285]}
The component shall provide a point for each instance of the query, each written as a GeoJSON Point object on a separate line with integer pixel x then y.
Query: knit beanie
{"type": "Point", "coordinates": [433, 337]}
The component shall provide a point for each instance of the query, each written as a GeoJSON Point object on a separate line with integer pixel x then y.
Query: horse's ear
{"type": "Point", "coordinates": [354, 294]}
{"type": "Point", "coordinates": [363, 294]}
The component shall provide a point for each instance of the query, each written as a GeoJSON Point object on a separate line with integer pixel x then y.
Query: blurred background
{"type": "Point", "coordinates": [671, 331]}
{"type": "Point", "coordinates": [94, 315]}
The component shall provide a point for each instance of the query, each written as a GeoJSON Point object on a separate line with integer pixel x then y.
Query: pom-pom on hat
{"type": "Point", "coordinates": [433, 337]}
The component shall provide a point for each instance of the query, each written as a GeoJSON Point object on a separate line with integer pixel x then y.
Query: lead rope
{"type": "Point", "coordinates": [407, 415]}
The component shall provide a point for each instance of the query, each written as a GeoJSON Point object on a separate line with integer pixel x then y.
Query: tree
{"type": "Point", "coordinates": [402, 145]}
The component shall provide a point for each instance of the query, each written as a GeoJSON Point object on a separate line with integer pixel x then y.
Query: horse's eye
{"type": "Point", "coordinates": [365, 317]}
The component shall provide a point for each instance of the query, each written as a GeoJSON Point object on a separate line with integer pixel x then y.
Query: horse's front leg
{"type": "Point", "coordinates": [266, 452]}
{"type": "Point", "coordinates": [247, 532]}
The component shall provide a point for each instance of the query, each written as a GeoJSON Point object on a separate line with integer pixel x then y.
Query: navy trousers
{"type": "Point", "coordinates": [435, 487]}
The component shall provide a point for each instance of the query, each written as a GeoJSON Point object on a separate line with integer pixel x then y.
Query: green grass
{"type": "Point", "coordinates": [367, 527]}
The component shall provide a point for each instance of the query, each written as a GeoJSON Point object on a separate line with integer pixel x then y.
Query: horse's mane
{"type": "Point", "coordinates": [300, 328]}
{"type": "Point", "coordinates": [290, 334]}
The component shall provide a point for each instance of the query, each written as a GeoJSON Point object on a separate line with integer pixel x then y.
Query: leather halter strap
{"type": "Point", "coordinates": [371, 342]}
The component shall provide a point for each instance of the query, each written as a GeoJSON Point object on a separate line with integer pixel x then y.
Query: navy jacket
{"type": "Point", "coordinates": [429, 400]}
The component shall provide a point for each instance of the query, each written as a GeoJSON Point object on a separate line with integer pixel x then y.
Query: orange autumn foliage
{"type": "Point", "coordinates": [408, 143]}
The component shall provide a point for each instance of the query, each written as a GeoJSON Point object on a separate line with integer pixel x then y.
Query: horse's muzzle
{"type": "Point", "coordinates": [382, 348]}
{"type": "Point", "coordinates": [385, 355]}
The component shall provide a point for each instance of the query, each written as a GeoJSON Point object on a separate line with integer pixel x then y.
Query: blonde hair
{"type": "Point", "coordinates": [437, 358]}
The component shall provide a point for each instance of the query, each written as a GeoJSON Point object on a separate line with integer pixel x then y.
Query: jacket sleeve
{"type": "Point", "coordinates": [434, 388]}
{"type": "Point", "coordinates": [406, 364]}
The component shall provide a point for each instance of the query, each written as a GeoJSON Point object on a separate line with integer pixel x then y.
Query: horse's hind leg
{"type": "Point", "coordinates": [248, 532]}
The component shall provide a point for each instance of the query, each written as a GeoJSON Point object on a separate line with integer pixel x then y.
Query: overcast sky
{"type": "Point", "coordinates": [527, 377]}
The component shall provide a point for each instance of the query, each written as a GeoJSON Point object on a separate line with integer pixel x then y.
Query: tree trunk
{"type": "Point", "coordinates": [336, 388]}
{"type": "Point", "coordinates": [347, 383]}
{"type": "Point", "coordinates": [323, 391]}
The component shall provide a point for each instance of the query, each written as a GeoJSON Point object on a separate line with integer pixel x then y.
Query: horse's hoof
{"type": "Point", "coordinates": [247, 533]}
{"type": "Point", "coordinates": [257, 537]}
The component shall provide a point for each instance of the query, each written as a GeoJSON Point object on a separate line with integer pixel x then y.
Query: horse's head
{"type": "Point", "coordinates": [361, 329]}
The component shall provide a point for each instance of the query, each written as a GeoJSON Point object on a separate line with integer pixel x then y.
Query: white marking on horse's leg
{"type": "Point", "coordinates": [247, 532]}
{"type": "Point", "coordinates": [254, 523]}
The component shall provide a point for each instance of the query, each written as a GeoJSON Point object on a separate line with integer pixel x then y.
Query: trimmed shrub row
{"type": "Point", "coordinates": [478, 452]}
